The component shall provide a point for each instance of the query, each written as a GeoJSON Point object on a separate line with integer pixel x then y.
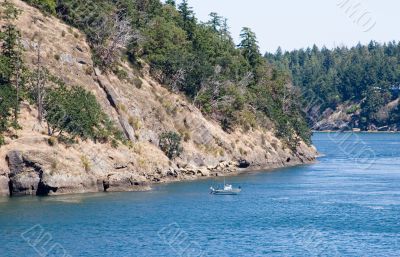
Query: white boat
{"type": "Point", "coordinates": [226, 190]}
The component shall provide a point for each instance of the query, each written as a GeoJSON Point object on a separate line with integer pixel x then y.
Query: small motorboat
{"type": "Point", "coordinates": [226, 190]}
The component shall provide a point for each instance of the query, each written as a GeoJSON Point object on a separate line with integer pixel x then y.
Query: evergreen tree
{"type": "Point", "coordinates": [364, 74]}
{"type": "Point", "coordinates": [249, 47]}
{"type": "Point", "coordinates": [278, 53]}
{"type": "Point", "coordinates": [189, 21]}
{"type": "Point", "coordinates": [10, 36]}
{"type": "Point", "coordinates": [225, 29]}
{"type": "Point", "coordinates": [215, 21]}
{"type": "Point", "coordinates": [10, 69]}
{"type": "Point", "coordinates": [11, 52]}
{"type": "Point", "coordinates": [171, 2]}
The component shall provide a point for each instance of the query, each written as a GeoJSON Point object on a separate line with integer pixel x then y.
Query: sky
{"type": "Point", "coordinates": [293, 24]}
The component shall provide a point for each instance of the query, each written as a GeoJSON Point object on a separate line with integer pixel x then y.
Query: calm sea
{"type": "Point", "coordinates": [347, 204]}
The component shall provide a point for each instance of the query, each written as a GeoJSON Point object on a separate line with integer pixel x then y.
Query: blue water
{"type": "Point", "coordinates": [347, 204]}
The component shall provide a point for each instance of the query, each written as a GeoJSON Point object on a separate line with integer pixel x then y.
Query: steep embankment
{"type": "Point", "coordinates": [30, 165]}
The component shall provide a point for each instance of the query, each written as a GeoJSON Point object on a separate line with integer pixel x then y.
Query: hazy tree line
{"type": "Point", "coordinates": [367, 74]}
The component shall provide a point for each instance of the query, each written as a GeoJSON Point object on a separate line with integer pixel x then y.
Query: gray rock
{"type": "Point", "coordinates": [4, 188]}
{"type": "Point", "coordinates": [15, 162]}
{"type": "Point", "coordinates": [129, 132]}
{"type": "Point", "coordinates": [24, 183]}
{"type": "Point", "coordinates": [204, 172]}
{"type": "Point", "coordinates": [23, 180]}
{"type": "Point", "coordinates": [124, 182]}
{"type": "Point", "coordinates": [66, 58]}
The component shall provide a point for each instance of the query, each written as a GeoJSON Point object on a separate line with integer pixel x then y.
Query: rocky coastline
{"type": "Point", "coordinates": [28, 176]}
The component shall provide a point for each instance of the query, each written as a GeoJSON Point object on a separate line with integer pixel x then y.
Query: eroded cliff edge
{"type": "Point", "coordinates": [29, 165]}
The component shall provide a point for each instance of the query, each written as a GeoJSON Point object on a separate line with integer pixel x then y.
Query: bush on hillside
{"type": "Point", "coordinates": [170, 144]}
{"type": "Point", "coordinates": [76, 112]}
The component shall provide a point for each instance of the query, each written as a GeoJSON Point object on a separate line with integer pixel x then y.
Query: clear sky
{"type": "Point", "coordinates": [298, 24]}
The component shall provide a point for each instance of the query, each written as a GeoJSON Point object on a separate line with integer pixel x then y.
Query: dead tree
{"type": "Point", "coordinates": [111, 37]}
{"type": "Point", "coordinates": [40, 82]}
{"type": "Point", "coordinates": [17, 85]}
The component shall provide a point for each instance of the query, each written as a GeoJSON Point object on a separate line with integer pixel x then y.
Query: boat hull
{"type": "Point", "coordinates": [224, 192]}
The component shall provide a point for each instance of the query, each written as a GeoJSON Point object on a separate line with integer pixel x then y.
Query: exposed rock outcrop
{"type": "Point", "coordinates": [24, 176]}
{"type": "Point", "coordinates": [4, 186]}
{"type": "Point", "coordinates": [346, 117]}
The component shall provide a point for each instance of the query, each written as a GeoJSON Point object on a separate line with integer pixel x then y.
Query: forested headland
{"type": "Point", "coordinates": [363, 81]}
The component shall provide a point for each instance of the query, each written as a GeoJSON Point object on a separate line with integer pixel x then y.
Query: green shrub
{"type": "Point", "coordinates": [88, 70]}
{"type": "Point", "coordinates": [2, 141]}
{"type": "Point", "coordinates": [66, 140]}
{"type": "Point", "coordinates": [85, 163]}
{"type": "Point", "coordinates": [170, 144]}
{"type": "Point", "coordinates": [352, 109]}
{"type": "Point", "coordinates": [52, 141]}
{"type": "Point", "coordinates": [7, 105]}
{"type": "Point", "coordinates": [121, 74]}
{"type": "Point", "coordinates": [75, 111]}
{"type": "Point", "coordinates": [246, 119]}
{"type": "Point", "coordinates": [138, 83]}
{"type": "Point", "coordinates": [48, 6]}
{"type": "Point", "coordinates": [185, 132]}
{"type": "Point", "coordinates": [135, 123]}
{"type": "Point", "coordinates": [121, 107]}
{"type": "Point", "coordinates": [114, 143]}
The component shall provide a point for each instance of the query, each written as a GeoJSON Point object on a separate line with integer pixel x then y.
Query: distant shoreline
{"type": "Point", "coordinates": [351, 131]}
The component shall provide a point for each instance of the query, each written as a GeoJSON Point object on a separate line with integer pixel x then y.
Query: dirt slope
{"type": "Point", "coordinates": [29, 165]}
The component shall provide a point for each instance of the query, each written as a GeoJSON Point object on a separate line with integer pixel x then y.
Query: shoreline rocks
{"type": "Point", "coordinates": [27, 178]}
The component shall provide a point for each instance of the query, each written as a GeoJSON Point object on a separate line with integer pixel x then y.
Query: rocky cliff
{"type": "Point", "coordinates": [347, 117]}
{"type": "Point", "coordinates": [31, 165]}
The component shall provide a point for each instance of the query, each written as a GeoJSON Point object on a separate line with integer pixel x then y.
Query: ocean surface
{"type": "Point", "coordinates": [347, 204]}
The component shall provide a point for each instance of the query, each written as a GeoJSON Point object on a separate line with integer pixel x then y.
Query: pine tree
{"type": "Point", "coordinates": [278, 53]}
{"type": "Point", "coordinates": [171, 2]}
{"type": "Point", "coordinates": [225, 29]}
{"type": "Point", "coordinates": [10, 37]}
{"type": "Point", "coordinates": [11, 50]}
{"type": "Point", "coordinates": [215, 22]}
{"type": "Point", "coordinates": [189, 21]}
{"type": "Point", "coordinates": [249, 47]}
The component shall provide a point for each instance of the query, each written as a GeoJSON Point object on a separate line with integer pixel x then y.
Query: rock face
{"type": "Point", "coordinates": [243, 164]}
{"type": "Point", "coordinates": [30, 166]}
{"type": "Point", "coordinates": [4, 186]}
{"type": "Point", "coordinates": [24, 177]}
{"type": "Point", "coordinates": [26, 174]}
{"type": "Point", "coordinates": [346, 117]}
